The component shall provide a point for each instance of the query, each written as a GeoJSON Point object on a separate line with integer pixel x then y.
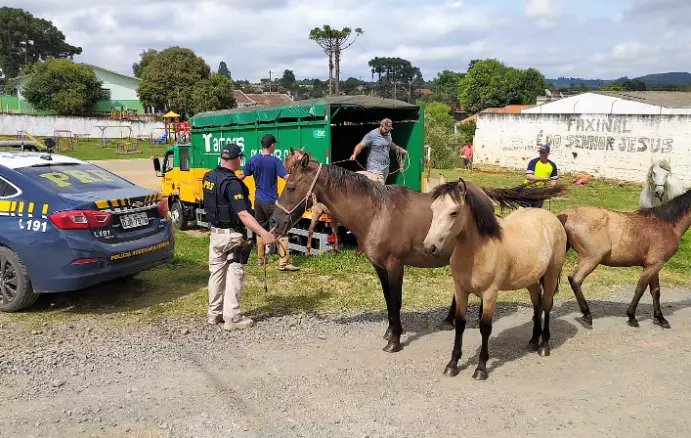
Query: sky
{"type": "Point", "coordinates": [603, 39]}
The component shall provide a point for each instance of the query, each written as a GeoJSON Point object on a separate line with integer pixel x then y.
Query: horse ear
{"type": "Point", "coordinates": [292, 151]}
{"type": "Point", "coordinates": [461, 186]}
{"type": "Point", "coordinates": [305, 160]}
{"type": "Point", "coordinates": [302, 149]}
{"type": "Point", "coordinates": [443, 179]}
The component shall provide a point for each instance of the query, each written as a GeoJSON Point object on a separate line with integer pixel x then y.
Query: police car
{"type": "Point", "coordinates": [67, 224]}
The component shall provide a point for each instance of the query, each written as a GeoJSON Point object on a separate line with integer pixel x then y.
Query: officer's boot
{"type": "Point", "coordinates": [283, 259]}
{"type": "Point", "coordinates": [260, 251]}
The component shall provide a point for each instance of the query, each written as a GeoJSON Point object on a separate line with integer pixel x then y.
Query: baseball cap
{"type": "Point", "coordinates": [230, 151]}
{"type": "Point", "coordinates": [388, 123]}
{"type": "Point", "coordinates": [268, 140]}
{"type": "Point", "coordinates": [544, 149]}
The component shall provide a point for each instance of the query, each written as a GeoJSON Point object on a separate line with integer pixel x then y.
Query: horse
{"type": "Point", "coordinates": [527, 249]}
{"type": "Point", "coordinates": [645, 237]}
{"type": "Point", "coordinates": [318, 209]}
{"type": "Point", "coordinates": [661, 185]}
{"type": "Point", "coordinates": [389, 221]}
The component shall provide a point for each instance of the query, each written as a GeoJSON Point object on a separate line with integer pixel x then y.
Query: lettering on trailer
{"type": "Point", "coordinates": [605, 135]}
{"type": "Point", "coordinates": [212, 144]}
{"type": "Point", "coordinates": [281, 154]}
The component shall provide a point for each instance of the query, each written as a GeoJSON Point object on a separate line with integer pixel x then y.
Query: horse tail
{"type": "Point", "coordinates": [562, 218]}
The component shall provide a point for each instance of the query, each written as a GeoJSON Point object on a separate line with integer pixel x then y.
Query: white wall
{"type": "Point", "coordinates": [604, 145]}
{"type": "Point", "coordinates": [594, 103]}
{"type": "Point", "coordinates": [45, 125]}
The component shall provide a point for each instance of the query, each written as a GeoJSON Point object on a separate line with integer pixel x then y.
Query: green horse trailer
{"type": "Point", "coordinates": [329, 128]}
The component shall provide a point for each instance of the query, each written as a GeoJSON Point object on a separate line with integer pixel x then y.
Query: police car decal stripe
{"type": "Point", "coordinates": [102, 203]}
{"type": "Point", "coordinates": [16, 209]}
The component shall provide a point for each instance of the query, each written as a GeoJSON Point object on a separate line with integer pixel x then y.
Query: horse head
{"type": "Point", "coordinates": [296, 196]}
{"type": "Point", "coordinates": [454, 206]}
{"type": "Point", "coordinates": [657, 177]}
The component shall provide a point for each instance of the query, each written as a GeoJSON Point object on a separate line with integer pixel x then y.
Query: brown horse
{"type": "Point", "coordinates": [389, 221]}
{"type": "Point", "coordinates": [645, 237]}
{"type": "Point", "coordinates": [317, 209]}
{"type": "Point", "coordinates": [525, 249]}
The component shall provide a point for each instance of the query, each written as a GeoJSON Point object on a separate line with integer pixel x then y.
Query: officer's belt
{"type": "Point", "coordinates": [226, 230]}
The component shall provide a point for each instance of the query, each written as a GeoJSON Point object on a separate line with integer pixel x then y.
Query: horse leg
{"type": "Point", "coordinates": [643, 281]}
{"type": "Point", "coordinates": [334, 229]}
{"type": "Point", "coordinates": [550, 283]}
{"type": "Point", "coordinates": [460, 311]}
{"type": "Point", "coordinates": [657, 309]}
{"type": "Point", "coordinates": [392, 282]}
{"type": "Point", "coordinates": [536, 297]}
{"type": "Point", "coordinates": [489, 301]}
{"type": "Point", "coordinates": [584, 268]}
{"type": "Point", "coordinates": [313, 223]}
{"type": "Point", "coordinates": [448, 323]}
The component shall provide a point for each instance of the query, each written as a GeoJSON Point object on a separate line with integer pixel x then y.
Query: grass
{"type": "Point", "coordinates": [329, 283]}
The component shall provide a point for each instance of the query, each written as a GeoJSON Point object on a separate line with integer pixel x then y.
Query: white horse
{"type": "Point", "coordinates": [661, 185]}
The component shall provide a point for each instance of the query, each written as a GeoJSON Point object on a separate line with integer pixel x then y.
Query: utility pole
{"type": "Point", "coordinates": [270, 81]}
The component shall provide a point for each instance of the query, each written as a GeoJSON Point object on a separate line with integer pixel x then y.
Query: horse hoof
{"type": "Point", "coordinates": [588, 319]}
{"type": "Point", "coordinates": [532, 346]}
{"type": "Point", "coordinates": [387, 334]}
{"type": "Point", "coordinates": [446, 325]}
{"type": "Point", "coordinates": [543, 351]}
{"type": "Point", "coordinates": [393, 347]}
{"type": "Point", "coordinates": [632, 323]}
{"type": "Point", "coordinates": [480, 374]}
{"type": "Point", "coordinates": [661, 322]}
{"type": "Point", "coordinates": [451, 371]}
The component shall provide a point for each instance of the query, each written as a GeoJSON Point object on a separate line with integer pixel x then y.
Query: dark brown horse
{"type": "Point", "coordinates": [645, 237]}
{"type": "Point", "coordinates": [389, 221]}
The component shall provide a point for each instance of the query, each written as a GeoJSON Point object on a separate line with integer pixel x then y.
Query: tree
{"type": "Point", "coordinates": [334, 42]}
{"type": "Point", "coordinates": [287, 81]}
{"type": "Point", "coordinates": [214, 93]}
{"type": "Point", "coordinates": [439, 135]}
{"type": "Point", "coordinates": [489, 83]}
{"type": "Point", "coordinates": [396, 77]}
{"type": "Point", "coordinates": [146, 57]}
{"type": "Point", "coordinates": [223, 69]}
{"type": "Point", "coordinates": [445, 87]}
{"type": "Point", "coordinates": [168, 81]}
{"type": "Point", "coordinates": [64, 86]}
{"type": "Point", "coordinates": [28, 39]}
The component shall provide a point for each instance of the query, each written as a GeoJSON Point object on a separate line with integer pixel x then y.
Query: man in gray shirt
{"type": "Point", "coordinates": [380, 143]}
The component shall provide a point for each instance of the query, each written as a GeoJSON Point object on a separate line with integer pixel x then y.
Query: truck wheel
{"type": "Point", "coordinates": [16, 292]}
{"type": "Point", "coordinates": [177, 213]}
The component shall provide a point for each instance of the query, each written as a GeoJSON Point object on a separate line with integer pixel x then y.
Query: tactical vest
{"type": "Point", "coordinates": [219, 212]}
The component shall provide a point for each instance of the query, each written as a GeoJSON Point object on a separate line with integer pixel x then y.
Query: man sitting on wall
{"type": "Point", "coordinates": [540, 170]}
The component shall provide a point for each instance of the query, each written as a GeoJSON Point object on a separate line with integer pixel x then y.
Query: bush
{"type": "Point", "coordinates": [439, 126]}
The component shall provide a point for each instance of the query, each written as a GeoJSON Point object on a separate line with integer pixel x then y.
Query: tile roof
{"type": "Point", "coordinates": [515, 109]}
{"type": "Point", "coordinates": [666, 99]}
{"type": "Point", "coordinates": [244, 99]}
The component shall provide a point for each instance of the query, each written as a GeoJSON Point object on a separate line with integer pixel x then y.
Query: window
{"type": "Point", "coordinates": [168, 162]}
{"type": "Point", "coordinates": [7, 190]}
{"type": "Point", "coordinates": [184, 159]}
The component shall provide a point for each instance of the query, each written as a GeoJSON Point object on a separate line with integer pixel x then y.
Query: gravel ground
{"type": "Point", "coordinates": [312, 376]}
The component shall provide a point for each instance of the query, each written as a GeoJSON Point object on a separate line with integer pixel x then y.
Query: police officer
{"type": "Point", "coordinates": [228, 212]}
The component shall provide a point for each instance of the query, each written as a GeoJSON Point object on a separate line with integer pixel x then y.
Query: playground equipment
{"type": "Point", "coordinates": [176, 130]}
{"type": "Point", "coordinates": [104, 142]}
{"type": "Point", "coordinates": [67, 143]}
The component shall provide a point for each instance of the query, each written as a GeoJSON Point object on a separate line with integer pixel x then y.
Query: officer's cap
{"type": "Point", "coordinates": [230, 151]}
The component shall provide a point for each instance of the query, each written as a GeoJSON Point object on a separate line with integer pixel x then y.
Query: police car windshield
{"type": "Point", "coordinates": [74, 177]}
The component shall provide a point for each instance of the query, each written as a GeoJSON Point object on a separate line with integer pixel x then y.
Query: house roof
{"type": "Point", "coordinates": [515, 109]}
{"type": "Point", "coordinates": [666, 99]}
{"type": "Point", "coordinates": [95, 67]}
{"type": "Point", "coordinates": [261, 99]}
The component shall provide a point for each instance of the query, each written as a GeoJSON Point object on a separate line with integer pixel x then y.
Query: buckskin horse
{"type": "Point", "coordinates": [526, 249]}
{"type": "Point", "coordinates": [644, 237]}
{"type": "Point", "coordinates": [389, 221]}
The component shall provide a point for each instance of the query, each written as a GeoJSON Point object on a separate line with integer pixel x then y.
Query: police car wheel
{"type": "Point", "coordinates": [16, 292]}
{"type": "Point", "coordinates": [177, 213]}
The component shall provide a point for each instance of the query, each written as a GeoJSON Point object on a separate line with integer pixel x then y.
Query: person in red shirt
{"type": "Point", "coordinates": [467, 154]}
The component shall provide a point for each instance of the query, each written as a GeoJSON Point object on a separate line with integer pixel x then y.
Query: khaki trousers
{"type": "Point", "coordinates": [227, 275]}
{"type": "Point", "coordinates": [281, 249]}
{"type": "Point", "coordinates": [374, 176]}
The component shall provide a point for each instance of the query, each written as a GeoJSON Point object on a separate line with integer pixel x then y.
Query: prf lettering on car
{"type": "Point", "coordinates": [62, 179]}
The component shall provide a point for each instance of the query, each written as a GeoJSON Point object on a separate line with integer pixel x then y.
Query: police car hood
{"type": "Point", "coordinates": [130, 197]}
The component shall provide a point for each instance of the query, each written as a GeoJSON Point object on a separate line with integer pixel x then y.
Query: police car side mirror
{"type": "Point", "coordinates": [157, 166]}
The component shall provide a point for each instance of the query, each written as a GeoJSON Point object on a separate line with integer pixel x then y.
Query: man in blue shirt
{"type": "Point", "coordinates": [266, 168]}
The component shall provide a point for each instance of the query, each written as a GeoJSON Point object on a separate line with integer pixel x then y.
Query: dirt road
{"type": "Point", "coordinates": [316, 377]}
{"type": "Point", "coordinates": [139, 171]}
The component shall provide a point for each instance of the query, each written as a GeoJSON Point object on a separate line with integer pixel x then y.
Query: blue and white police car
{"type": "Point", "coordinates": [67, 224]}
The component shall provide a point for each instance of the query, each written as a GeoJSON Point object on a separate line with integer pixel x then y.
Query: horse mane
{"type": "Point", "coordinates": [348, 182]}
{"type": "Point", "coordinates": [671, 210]}
{"type": "Point", "coordinates": [481, 209]}
{"type": "Point", "coordinates": [663, 164]}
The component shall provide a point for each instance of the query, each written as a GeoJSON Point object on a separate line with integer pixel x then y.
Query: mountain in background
{"type": "Point", "coordinates": [651, 80]}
